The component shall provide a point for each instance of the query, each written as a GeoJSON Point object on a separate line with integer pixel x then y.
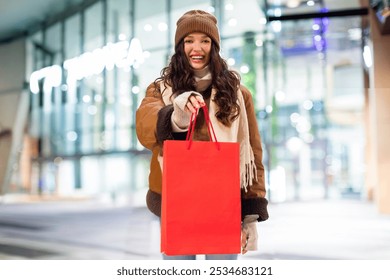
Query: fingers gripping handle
{"type": "Point", "coordinates": [210, 128]}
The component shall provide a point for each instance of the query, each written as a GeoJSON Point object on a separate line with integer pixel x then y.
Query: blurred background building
{"type": "Point", "coordinates": [72, 74]}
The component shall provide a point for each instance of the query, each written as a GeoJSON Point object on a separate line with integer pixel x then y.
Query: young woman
{"type": "Point", "coordinates": [197, 76]}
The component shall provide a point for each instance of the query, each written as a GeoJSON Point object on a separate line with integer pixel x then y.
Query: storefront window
{"type": "Point", "coordinates": [306, 77]}
{"type": "Point", "coordinates": [309, 114]}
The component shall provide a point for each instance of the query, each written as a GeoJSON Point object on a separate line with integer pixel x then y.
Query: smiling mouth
{"type": "Point", "coordinates": [197, 58]}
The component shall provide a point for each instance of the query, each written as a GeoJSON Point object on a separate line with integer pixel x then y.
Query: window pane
{"type": "Point", "coordinates": [72, 37]}
{"type": "Point", "coordinates": [93, 27]}
{"type": "Point", "coordinates": [152, 24]}
{"type": "Point", "coordinates": [119, 23]}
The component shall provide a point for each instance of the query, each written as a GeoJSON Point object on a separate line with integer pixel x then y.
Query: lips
{"type": "Point", "coordinates": [197, 57]}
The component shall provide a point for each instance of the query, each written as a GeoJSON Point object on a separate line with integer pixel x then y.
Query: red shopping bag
{"type": "Point", "coordinates": [201, 205]}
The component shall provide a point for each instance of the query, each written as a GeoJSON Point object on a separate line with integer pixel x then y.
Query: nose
{"type": "Point", "coordinates": [197, 46]}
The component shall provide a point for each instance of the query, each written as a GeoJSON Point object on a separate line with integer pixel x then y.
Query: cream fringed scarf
{"type": "Point", "coordinates": [238, 132]}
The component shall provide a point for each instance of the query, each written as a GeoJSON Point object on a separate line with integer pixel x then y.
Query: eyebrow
{"type": "Point", "coordinates": [191, 36]}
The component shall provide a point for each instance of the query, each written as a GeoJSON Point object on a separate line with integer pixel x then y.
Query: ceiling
{"type": "Point", "coordinates": [18, 16]}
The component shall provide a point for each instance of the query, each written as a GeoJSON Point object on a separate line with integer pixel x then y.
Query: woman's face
{"type": "Point", "coordinates": [197, 47]}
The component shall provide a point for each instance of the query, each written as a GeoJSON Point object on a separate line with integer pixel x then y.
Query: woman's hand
{"type": "Point", "coordinates": [194, 103]}
{"type": "Point", "coordinates": [249, 237]}
{"type": "Point", "coordinates": [244, 241]}
{"type": "Point", "coordinates": [183, 106]}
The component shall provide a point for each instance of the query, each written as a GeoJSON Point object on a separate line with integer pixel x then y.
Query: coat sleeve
{"type": "Point", "coordinates": [153, 120]}
{"type": "Point", "coordinates": [147, 116]}
{"type": "Point", "coordinates": [253, 200]}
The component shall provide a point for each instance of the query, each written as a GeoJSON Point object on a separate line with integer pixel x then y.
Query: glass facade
{"type": "Point", "coordinates": [90, 72]}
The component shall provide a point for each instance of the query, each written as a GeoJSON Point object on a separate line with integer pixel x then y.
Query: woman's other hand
{"type": "Point", "coordinates": [249, 237]}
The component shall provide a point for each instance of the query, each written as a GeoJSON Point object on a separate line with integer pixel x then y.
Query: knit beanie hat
{"type": "Point", "coordinates": [197, 21]}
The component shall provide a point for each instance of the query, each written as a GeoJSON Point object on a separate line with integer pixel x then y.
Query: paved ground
{"type": "Point", "coordinates": [78, 230]}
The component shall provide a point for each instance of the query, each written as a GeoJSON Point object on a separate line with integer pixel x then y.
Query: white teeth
{"type": "Point", "coordinates": [197, 57]}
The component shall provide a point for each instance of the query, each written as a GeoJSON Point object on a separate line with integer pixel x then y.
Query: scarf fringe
{"type": "Point", "coordinates": [248, 175]}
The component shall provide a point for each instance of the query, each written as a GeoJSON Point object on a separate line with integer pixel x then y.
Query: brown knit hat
{"type": "Point", "coordinates": [197, 21]}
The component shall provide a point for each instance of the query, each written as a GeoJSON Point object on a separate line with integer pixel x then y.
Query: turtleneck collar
{"type": "Point", "coordinates": [200, 73]}
{"type": "Point", "coordinates": [202, 78]}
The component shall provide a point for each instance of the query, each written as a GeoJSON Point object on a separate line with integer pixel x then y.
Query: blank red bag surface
{"type": "Point", "coordinates": [201, 205]}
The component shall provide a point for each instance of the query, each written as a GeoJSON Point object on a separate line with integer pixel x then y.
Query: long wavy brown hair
{"type": "Point", "coordinates": [180, 77]}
